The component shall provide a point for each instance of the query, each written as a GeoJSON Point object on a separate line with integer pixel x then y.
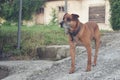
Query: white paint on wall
{"type": "Point", "coordinates": [80, 7]}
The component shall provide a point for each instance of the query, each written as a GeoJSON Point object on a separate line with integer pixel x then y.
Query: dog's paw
{"type": "Point", "coordinates": [88, 69]}
{"type": "Point", "coordinates": [94, 65]}
{"type": "Point", "coordinates": [72, 70]}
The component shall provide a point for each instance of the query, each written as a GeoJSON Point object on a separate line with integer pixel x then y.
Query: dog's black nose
{"type": "Point", "coordinates": [61, 24]}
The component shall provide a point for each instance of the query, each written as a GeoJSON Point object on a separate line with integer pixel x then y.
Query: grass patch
{"type": "Point", "coordinates": [31, 38]}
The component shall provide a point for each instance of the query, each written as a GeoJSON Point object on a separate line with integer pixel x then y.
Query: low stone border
{"type": "Point", "coordinates": [57, 52]}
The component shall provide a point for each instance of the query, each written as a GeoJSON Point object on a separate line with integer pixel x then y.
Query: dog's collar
{"type": "Point", "coordinates": [74, 33]}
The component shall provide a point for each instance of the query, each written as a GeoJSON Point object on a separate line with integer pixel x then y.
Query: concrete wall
{"type": "Point", "coordinates": [48, 9]}
{"type": "Point", "coordinates": [80, 7]}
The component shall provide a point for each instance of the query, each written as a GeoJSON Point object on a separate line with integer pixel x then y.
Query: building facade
{"type": "Point", "coordinates": [88, 10]}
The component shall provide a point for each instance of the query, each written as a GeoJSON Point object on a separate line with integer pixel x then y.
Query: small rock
{"type": "Point", "coordinates": [98, 74]}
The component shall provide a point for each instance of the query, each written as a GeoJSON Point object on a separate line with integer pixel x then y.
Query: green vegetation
{"type": "Point", "coordinates": [31, 38]}
{"type": "Point", "coordinates": [9, 9]}
{"type": "Point", "coordinates": [54, 20]}
{"type": "Point", "coordinates": [115, 14]}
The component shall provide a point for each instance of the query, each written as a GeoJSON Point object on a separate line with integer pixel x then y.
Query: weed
{"type": "Point", "coordinates": [31, 38]}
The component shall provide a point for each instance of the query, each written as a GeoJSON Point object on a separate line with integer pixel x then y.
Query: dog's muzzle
{"type": "Point", "coordinates": [65, 26]}
{"type": "Point", "coordinates": [61, 24]}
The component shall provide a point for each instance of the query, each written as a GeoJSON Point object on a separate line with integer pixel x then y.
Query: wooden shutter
{"type": "Point", "coordinates": [97, 14]}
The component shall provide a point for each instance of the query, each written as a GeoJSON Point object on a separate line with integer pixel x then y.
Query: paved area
{"type": "Point", "coordinates": [108, 66]}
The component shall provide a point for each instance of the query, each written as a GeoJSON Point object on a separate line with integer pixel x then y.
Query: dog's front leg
{"type": "Point", "coordinates": [72, 54]}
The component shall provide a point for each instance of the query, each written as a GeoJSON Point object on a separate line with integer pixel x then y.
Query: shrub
{"type": "Point", "coordinates": [10, 10]}
{"type": "Point", "coordinates": [54, 19]}
{"type": "Point", "coordinates": [115, 14]}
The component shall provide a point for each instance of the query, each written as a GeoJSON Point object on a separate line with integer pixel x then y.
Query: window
{"type": "Point", "coordinates": [97, 14]}
{"type": "Point", "coordinates": [61, 8]}
{"type": "Point", "coordinates": [40, 10]}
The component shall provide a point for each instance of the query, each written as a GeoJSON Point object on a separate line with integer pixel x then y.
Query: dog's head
{"type": "Point", "coordinates": [69, 20]}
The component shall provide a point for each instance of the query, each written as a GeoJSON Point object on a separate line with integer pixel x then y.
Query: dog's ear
{"type": "Point", "coordinates": [75, 16]}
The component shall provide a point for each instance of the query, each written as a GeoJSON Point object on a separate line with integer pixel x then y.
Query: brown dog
{"type": "Point", "coordinates": [84, 33]}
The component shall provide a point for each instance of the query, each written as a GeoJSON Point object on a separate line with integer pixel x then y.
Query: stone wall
{"type": "Point", "coordinates": [56, 52]}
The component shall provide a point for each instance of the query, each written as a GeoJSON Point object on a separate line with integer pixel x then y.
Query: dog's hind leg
{"type": "Point", "coordinates": [97, 45]}
{"type": "Point", "coordinates": [88, 47]}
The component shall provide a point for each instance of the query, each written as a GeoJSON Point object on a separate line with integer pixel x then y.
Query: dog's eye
{"type": "Point", "coordinates": [68, 19]}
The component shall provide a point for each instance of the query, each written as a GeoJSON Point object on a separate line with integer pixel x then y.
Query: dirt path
{"type": "Point", "coordinates": [108, 66]}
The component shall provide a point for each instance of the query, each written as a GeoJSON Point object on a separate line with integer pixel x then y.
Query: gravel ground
{"type": "Point", "coordinates": [108, 65]}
